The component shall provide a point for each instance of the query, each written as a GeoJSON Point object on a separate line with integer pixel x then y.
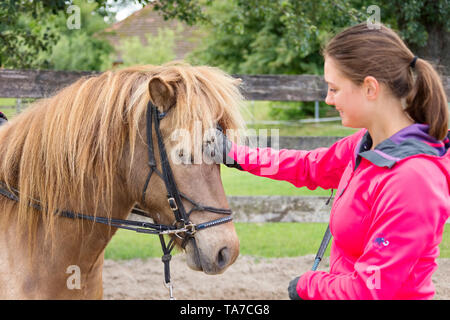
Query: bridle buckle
{"type": "Point", "coordinates": [191, 228]}
{"type": "Point", "coordinates": [172, 203]}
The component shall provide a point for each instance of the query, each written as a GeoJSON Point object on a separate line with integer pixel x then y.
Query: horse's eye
{"type": "Point", "coordinates": [181, 153]}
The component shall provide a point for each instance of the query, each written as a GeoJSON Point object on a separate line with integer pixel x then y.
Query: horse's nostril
{"type": "Point", "coordinates": [223, 257]}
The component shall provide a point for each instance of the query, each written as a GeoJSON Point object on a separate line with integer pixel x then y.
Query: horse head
{"type": "Point", "coordinates": [193, 101]}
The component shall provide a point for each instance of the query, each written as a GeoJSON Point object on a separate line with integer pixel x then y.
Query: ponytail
{"type": "Point", "coordinates": [427, 101]}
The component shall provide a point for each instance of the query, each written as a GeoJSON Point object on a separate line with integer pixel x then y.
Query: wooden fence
{"type": "Point", "coordinates": [42, 83]}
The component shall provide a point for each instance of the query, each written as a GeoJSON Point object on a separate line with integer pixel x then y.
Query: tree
{"type": "Point", "coordinates": [160, 49]}
{"type": "Point", "coordinates": [79, 48]}
{"type": "Point", "coordinates": [22, 37]}
{"type": "Point", "coordinates": [251, 36]}
{"type": "Point", "coordinates": [425, 26]}
{"type": "Point", "coordinates": [27, 33]}
{"type": "Point", "coordinates": [266, 36]}
{"type": "Point", "coordinates": [285, 36]}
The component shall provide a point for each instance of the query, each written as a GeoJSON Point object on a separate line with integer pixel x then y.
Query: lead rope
{"type": "Point", "coordinates": [167, 249]}
{"type": "Point", "coordinates": [325, 241]}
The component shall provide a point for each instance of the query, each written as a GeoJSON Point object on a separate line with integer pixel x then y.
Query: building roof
{"type": "Point", "coordinates": [145, 21]}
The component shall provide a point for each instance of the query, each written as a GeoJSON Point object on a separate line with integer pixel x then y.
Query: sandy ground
{"type": "Point", "coordinates": [248, 278]}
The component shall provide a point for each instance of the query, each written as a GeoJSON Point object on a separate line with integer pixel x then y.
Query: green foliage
{"type": "Point", "coordinates": [191, 12]}
{"type": "Point", "coordinates": [296, 110]}
{"type": "Point", "coordinates": [246, 36]}
{"type": "Point", "coordinates": [22, 37]}
{"type": "Point", "coordinates": [285, 36]}
{"type": "Point", "coordinates": [80, 49]}
{"type": "Point", "coordinates": [158, 50]}
{"type": "Point", "coordinates": [416, 18]}
{"type": "Point", "coordinates": [80, 52]}
{"type": "Point", "coordinates": [271, 37]}
{"type": "Point", "coordinates": [34, 34]}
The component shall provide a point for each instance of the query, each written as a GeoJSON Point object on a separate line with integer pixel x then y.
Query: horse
{"type": "Point", "coordinates": [83, 150]}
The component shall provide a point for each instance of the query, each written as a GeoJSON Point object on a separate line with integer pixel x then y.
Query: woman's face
{"type": "Point", "coordinates": [347, 97]}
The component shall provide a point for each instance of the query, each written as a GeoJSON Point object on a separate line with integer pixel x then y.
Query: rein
{"type": "Point", "coordinates": [182, 224]}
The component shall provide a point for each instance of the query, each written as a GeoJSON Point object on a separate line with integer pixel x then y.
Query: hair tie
{"type": "Point", "coordinates": [413, 62]}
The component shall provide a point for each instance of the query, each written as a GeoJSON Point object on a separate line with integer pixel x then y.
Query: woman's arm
{"type": "Point", "coordinates": [322, 167]}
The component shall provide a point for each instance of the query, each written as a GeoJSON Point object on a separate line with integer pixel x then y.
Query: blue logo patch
{"type": "Point", "coordinates": [380, 241]}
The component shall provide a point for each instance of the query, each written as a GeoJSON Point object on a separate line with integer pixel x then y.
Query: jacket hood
{"type": "Point", "coordinates": [410, 141]}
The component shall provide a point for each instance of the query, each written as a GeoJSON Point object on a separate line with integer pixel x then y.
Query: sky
{"type": "Point", "coordinates": [123, 12]}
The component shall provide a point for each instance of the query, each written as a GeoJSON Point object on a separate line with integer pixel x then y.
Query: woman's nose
{"type": "Point", "coordinates": [329, 100]}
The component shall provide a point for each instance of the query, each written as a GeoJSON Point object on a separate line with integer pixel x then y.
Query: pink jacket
{"type": "Point", "coordinates": [388, 215]}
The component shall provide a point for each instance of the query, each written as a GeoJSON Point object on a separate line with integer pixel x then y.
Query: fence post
{"type": "Point", "coordinates": [18, 105]}
{"type": "Point", "coordinates": [252, 106]}
{"type": "Point", "coordinates": [316, 111]}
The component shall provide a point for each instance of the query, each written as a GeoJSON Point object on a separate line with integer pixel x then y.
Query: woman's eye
{"type": "Point", "coordinates": [332, 90]}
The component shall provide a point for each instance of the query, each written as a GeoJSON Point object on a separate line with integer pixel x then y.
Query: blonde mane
{"type": "Point", "coordinates": [65, 149]}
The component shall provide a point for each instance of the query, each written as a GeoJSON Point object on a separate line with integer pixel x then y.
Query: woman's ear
{"type": "Point", "coordinates": [162, 94]}
{"type": "Point", "coordinates": [371, 87]}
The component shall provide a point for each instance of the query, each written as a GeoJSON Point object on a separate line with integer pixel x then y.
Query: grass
{"type": "Point", "coordinates": [237, 182]}
{"type": "Point", "coordinates": [282, 239]}
{"type": "Point", "coordinates": [272, 240]}
{"type": "Point", "coordinates": [8, 106]}
{"type": "Point", "coordinates": [334, 129]}
{"type": "Point", "coordinates": [255, 111]}
{"type": "Point", "coordinates": [268, 240]}
{"type": "Point", "coordinates": [127, 245]}
{"type": "Point", "coordinates": [7, 102]}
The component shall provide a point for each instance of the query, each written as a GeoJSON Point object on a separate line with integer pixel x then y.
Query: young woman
{"type": "Point", "coordinates": [392, 177]}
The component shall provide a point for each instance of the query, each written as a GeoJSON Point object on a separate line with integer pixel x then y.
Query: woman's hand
{"type": "Point", "coordinates": [218, 147]}
{"type": "Point", "coordinates": [292, 289]}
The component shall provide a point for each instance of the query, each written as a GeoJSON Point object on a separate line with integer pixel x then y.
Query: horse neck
{"type": "Point", "coordinates": [80, 244]}
{"type": "Point", "coordinates": [73, 256]}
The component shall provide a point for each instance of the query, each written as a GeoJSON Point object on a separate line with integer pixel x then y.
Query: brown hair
{"type": "Point", "coordinates": [359, 52]}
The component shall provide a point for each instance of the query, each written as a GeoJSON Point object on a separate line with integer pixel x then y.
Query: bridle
{"type": "Point", "coordinates": [183, 228]}
{"type": "Point", "coordinates": [183, 223]}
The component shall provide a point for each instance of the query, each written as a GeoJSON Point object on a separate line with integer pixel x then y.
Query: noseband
{"type": "Point", "coordinates": [182, 227]}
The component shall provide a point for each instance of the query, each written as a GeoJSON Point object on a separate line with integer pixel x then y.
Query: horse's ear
{"type": "Point", "coordinates": [162, 94]}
